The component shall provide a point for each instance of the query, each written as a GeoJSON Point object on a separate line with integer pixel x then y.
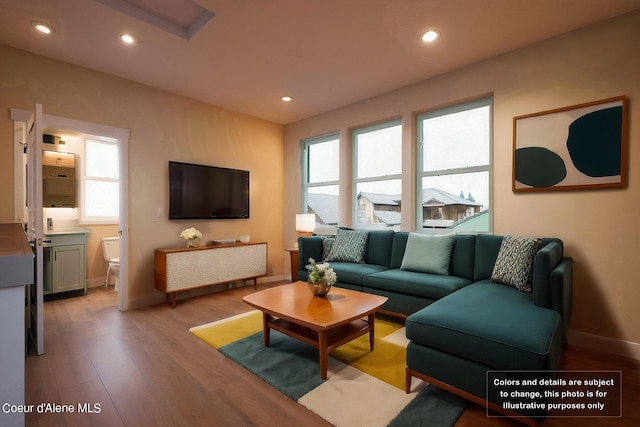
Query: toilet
{"type": "Point", "coordinates": [111, 253]}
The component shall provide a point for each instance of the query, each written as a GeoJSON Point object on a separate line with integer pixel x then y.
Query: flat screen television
{"type": "Point", "coordinates": [207, 192]}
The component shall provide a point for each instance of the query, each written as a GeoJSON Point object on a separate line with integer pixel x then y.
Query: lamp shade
{"type": "Point", "coordinates": [305, 223]}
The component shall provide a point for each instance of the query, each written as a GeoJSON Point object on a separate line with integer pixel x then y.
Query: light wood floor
{"type": "Point", "coordinates": [144, 368]}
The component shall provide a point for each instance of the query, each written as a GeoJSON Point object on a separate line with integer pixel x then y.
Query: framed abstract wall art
{"type": "Point", "coordinates": [577, 147]}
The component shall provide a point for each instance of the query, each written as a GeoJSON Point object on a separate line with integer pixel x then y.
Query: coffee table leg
{"type": "Point", "coordinates": [372, 323]}
{"type": "Point", "coordinates": [266, 318]}
{"type": "Point", "coordinates": [324, 356]}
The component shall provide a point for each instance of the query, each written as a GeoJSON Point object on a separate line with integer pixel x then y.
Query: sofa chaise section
{"type": "Point", "coordinates": [490, 326]}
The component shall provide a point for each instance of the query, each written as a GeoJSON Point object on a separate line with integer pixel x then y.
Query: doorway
{"type": "Point", "coordinates": [76, 127]}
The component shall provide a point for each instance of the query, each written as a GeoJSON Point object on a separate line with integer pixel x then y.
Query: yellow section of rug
{"type": "Point", "coordinates": [226, 331]}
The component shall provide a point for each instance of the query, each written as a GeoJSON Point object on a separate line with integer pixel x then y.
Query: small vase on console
{"type": "Point", "coordinates": [191, 235]}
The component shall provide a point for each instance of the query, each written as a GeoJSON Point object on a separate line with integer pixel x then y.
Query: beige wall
{"type": "Point", "coordinates": [600, 228]}
{"type": "Point", "coordinates": [163, 127]}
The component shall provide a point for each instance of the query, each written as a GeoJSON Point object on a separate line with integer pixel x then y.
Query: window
{"type": "Point", "coordinates": [101, 186]}
{"type": "Point", "coordinates": [378, 175]}
{"type": "Point", "coordinates": [454, 151]}
{"type": "Point", "coordinates": [321, 165]}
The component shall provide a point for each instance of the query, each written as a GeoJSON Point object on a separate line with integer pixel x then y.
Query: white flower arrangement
{"type": "Point", "coordinates": [321, 273]}
{"type": "Point", "coordinates": [190, 234]}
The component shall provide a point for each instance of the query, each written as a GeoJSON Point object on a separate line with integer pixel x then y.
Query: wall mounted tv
{"type": "Point", "coordinates": [207, 192]}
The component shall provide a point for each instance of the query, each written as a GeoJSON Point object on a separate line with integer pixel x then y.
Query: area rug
{"type": "Point", "coordinates": [364, 388]}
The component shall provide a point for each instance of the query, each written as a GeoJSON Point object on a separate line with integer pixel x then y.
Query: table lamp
{"type": "Point", "coordinates": [305, 224]}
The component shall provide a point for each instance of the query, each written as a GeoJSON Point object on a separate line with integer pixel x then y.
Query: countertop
{"type": "Point", "coordinates": [16, 256]}
{"type": "Point", "coordinates": [63, 230]}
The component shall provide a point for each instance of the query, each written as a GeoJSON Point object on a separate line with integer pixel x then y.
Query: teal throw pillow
{"type": "Point", "coordinates": [349, 246]}
{"type": "Point", "coordinates": [427, 253]}
{"type": "Point", "coordinates": [515, 262]}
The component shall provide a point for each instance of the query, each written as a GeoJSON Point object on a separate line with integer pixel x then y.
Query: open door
{"type": "Point", "coordinates": [34, 224]}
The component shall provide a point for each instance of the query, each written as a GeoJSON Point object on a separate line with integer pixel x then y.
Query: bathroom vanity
{"type": "Point", "coordinates": [64, 260]}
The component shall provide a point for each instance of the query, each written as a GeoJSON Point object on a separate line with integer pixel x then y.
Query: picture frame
{"type": "Point", "coordinates": [582, 146]}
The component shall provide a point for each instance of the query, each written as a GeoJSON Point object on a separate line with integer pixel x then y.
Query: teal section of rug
{"type": "Point", "coordinates": [293, 368]}
{"type": "Point", "coordinates": [432, 407]}
{"type": "Point", "coordinates": [288, 365]}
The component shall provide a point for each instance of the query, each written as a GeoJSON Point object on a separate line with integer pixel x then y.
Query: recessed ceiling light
{"type": "Point", "coordinates": [430, 36]}
{"type": "Point", "coordinates": [128, 38]}
{"type": "Point", "coordinates": [286, 98]}
{"type": "Point", "coordinates": [42, 27]}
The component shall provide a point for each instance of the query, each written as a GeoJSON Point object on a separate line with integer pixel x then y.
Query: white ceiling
{"type": "Point", "coordinates": [323, 53]}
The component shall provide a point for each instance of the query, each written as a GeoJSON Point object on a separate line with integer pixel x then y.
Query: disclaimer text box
{"type": "Point", "coordinates": [556, 393]}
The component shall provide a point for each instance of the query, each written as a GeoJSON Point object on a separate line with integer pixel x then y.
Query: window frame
{"type": "Point", "coordinates": [421, 174]}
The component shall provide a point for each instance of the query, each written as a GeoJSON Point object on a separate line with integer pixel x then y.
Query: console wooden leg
{"type": "Point", "coordinates": [173, 299]}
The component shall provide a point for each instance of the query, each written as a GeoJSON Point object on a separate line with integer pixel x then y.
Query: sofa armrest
{"type": "Point", "coordinates": [545, 261]}
{"type": "Point", "coordinates": [553, 281]}
{"type": "Point", "coordinates": [562, 291]}
{"type": "Point", "coordinates": [308, 247]}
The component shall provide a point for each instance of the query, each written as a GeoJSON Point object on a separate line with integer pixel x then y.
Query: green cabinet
{"type": "Point", "coordinates": [64, 263]}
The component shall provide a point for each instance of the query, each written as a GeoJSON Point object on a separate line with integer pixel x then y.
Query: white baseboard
{"type": "Point", "coordinates": [605, 344]}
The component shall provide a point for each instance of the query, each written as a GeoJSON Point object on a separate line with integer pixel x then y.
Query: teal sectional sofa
{"type": "Point", "coordinates": [459, 321]}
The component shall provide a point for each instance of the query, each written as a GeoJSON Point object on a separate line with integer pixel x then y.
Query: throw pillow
{"type": "Point", "coordinates": [327, 244]}
{"type": "Point", "coordinates": [427, 253]}
{"type": "Point", "coordinates": [515, 262]}
{"type": "Point", "coordinates": [349, 246]}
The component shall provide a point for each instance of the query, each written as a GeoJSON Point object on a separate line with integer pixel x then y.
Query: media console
{"type": "Point", "coordinates": [179, 269]}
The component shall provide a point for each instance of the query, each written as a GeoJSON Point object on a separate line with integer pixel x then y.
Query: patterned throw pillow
{"type": "Point", "coordinates": [515, 262]}
{"type": "Point", "coordinates": [349, 246]}
{"type": "Point", "coordinates": [327, 244]}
